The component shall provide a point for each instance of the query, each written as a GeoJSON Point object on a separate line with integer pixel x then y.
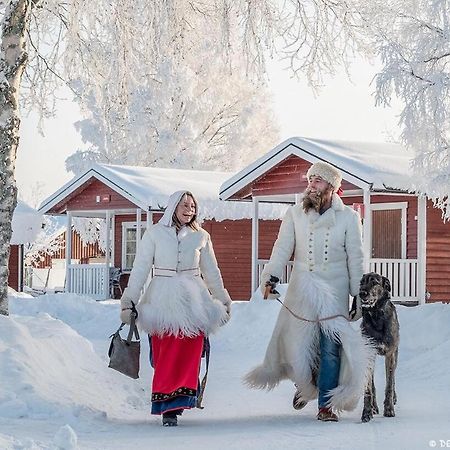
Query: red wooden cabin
{"type": "Point", "coordinates": [130, 198]}
{"type": "Point", "coordinates": [405, 237]}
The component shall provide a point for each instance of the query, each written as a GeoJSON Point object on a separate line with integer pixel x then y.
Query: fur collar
{"type": "Point", "coordinates": [328, 218]}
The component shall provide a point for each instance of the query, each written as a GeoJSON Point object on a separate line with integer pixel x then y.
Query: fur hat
{"type": "Point", "coordinates": [327, 172]}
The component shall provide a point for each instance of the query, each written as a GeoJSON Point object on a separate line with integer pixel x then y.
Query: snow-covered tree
{"type": "Point", "coordinates": [185, 102]}
{"type": "Point", "coordinates": [74, 41]}
{"type": "Point", "coordinates": [15, 17]}
{"type": "Point", "coordinates": [194, 117]}
{"type": "Point", "coordinates": [48, 242]}
{"type": "Point", "coordinates": [413, 39]}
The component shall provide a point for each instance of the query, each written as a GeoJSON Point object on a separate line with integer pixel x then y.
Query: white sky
{"type": "Point", "coordinates": [343, 109]}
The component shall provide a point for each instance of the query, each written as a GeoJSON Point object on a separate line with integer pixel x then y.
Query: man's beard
{"type": "Point", "coordinates": [313, 200]}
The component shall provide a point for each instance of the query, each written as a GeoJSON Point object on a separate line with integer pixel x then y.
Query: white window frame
{"type": "Point", "coordinates": [127, 226]}
{"type": "Point", "coordinates": [403, 206]}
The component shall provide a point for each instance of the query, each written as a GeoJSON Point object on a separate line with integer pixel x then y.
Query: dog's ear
{"type": "Point", "coordinates": [387, 284]}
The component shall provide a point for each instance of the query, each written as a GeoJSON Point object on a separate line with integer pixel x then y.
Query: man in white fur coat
{"type": "Point", "coordinates": [323, 355]}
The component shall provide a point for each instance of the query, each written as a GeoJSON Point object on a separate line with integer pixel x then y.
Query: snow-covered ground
{"type": "Point", "coordinates": [56, 391]}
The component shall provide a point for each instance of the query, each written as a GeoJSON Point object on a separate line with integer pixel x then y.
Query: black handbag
{"type": "Point", "coordinates": [124, 353]}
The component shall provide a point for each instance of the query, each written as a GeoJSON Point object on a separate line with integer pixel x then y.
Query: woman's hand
{"type": "Point", "coordinates": [127, 307]}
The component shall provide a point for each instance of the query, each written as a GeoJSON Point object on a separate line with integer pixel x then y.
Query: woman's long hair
{"type": "Point", "coordinates": [193, 222]}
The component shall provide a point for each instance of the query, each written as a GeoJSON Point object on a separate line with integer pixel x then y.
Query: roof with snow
{"type": "Point", "coordinates": [374, 166]}
{"type": "Point", "coordinates": [26, 223]}
{"type": "Point", "coordinates": [150, 187]}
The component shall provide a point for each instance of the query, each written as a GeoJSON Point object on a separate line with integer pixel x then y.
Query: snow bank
{"type": "Point", "coordinates": [89, 318]}
{"type": "Point", "coordinates": [50, 370]}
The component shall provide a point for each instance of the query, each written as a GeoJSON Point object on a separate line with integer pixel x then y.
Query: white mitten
{"type": "Point", "coordinates": [227, 304]}
{"type": "Point", "coordinates": [126, 306]}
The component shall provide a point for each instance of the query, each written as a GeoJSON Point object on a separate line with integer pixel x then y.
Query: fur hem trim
{"type": "Point", "coordinates": [262, 377]}
{"type": "Point", "coordinates": [292, 352]}
{"type": "Point", "coordinates": [180, 306]}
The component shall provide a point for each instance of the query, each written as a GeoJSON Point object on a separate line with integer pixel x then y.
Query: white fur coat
{"type": "Point", "coordinates": [181, 304]}
{"type": "Point", "coordinates": [327, 268]}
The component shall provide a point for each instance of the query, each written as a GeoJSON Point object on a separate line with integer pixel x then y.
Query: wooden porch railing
{"type": "Point", "coordinates": [89, 279]}
{"type": "Point", "coordinates": [402, 274]}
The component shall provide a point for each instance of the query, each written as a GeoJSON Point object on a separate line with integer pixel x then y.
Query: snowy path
{"type": "Point", "coordinates": [234, 416]}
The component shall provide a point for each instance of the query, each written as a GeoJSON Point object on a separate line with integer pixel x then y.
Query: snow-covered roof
{"type": "Point", "coordinates": [375, 166]}
{"type": "Point", "coordinates": [150, 187]}
{"type": "Point", "coordinates": [26, 223]}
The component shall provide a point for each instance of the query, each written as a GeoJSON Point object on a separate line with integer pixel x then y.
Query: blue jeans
{"type": "Point", "coordinates": [329, 366]}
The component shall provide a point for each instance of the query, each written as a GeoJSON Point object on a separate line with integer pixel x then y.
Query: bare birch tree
{"type": "Point", "coordinates": [13, 59]}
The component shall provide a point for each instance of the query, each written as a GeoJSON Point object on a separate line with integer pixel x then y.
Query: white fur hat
{"type": "Point", "coordinates": [327, 172]}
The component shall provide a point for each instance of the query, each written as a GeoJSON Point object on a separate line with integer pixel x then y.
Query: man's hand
{"type": "Point", "coordinates": [355, 312]}
{"type": "Point", "coordinates": [270, 292]}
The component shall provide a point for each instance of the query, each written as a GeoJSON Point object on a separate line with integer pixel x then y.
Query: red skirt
{"type": "Point", "coordinates": [176, 362]}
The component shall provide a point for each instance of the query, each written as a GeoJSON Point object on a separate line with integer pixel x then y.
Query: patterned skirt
{"type": "Point", "coordinates": [176, 363]}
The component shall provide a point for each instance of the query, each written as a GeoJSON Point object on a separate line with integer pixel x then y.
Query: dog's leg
{"type": "Point", "coordinates": [367, 413]}
{"type": "Point", "coordinates": [375, 409]}
{"type": "Point", "coordinates": [390, 364]}
{"type": "Point", "coordinates": [393, 375]}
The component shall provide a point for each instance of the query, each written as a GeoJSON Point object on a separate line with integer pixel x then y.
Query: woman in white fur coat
{"type": "Point", "coordinates": [327, 359]}
{"type": "Point", "coordinates": [184, 302]}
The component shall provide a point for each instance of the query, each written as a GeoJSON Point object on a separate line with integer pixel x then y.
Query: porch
{"type": "Point", "coordinates": [100, 280]}
{"type": "Point", "coordinates": [406, 273]}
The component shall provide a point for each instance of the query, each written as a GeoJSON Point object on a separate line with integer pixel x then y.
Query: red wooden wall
{"type": "Point", "coordinates": [232, 243]}
{"type": "Point", "coordinates": [438, 256]}
{"type": "Point", "coordinates": [14, 267]}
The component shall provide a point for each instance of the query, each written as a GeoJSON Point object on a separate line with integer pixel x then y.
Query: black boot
{"type": "Point", "coordinates": [169, 419]}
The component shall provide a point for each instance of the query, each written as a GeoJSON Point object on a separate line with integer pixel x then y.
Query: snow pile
{"type": "Point", "coordinates": [56, 391]}
{"type": "Point", "coordinates": [90, 319]}
{"type": "Point", "coordinates": [26, 224]}
{"type": "Point", "coordinates": [49, 370]}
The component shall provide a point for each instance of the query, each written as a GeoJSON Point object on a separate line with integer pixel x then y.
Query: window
{"type": "Point", "coordinates": [129, 234]}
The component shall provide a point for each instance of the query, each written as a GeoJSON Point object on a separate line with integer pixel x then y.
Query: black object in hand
{"type": "Point", "coordinates": [270, 286]}
{"type": "Point", "coordinates": [353, 310]}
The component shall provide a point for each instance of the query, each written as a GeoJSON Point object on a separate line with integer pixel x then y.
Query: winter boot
{"type": "Point", "coordinates": [169, 419]}
{"type": "Point", "coordinates": [327, 415]}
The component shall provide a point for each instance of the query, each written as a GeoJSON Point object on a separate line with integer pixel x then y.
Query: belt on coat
{"type": "Point", "coordinates": [159, 272]}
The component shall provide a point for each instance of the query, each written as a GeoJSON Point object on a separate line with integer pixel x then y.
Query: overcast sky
{"type": "Point", "coordinates": [343, 110]}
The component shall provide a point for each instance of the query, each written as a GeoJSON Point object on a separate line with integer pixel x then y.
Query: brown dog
{"type": "Point", "coordinates": [380, 325]}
